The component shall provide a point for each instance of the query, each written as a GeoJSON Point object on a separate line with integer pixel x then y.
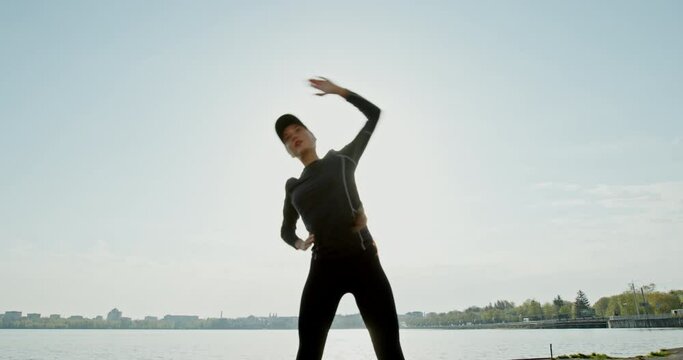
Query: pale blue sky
{"type": "Point", "coordinates": [526, 149]}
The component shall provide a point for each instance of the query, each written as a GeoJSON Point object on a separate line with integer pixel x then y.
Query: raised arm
{"type": "Point", "coordinates": [355, 148]}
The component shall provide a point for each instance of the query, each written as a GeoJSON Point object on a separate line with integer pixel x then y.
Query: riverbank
{"type": "Point", "coordinates": [668, 354]}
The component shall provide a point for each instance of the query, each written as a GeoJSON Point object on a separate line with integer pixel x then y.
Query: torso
{"type": "Point", "coordinates": [326, 198]}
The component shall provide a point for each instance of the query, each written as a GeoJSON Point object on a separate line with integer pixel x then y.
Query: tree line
{"type": "Point", "coordinates": [645, 300]}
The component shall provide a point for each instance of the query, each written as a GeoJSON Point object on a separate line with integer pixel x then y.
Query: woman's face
{"type": "Point", "coordinates": [298, 140]}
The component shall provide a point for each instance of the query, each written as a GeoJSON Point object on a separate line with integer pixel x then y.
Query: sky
{"type": "Point", "coordinates": [525, 150]}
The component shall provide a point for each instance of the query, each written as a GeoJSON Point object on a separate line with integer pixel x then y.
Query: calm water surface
{"type": "Point", "coordinates": [341, 344]}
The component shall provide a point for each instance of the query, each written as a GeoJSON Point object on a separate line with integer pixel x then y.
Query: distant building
{"type": "Point", "coordinates": [114, 315]}
{"type": "Point", "coordinates": [99, 318]}
{"type": "Point", "coordinates": [55, 316]}
{"type": "Point", "coordinates": [181, 320]}
{"type": "Point", "coordinates": [12, 316]}
{"type": "Point", "coordinates": [151, 318]}
{"type": "Point", "coordinates": [181, 317]}
{"type": "Point", "coordinates": [33, 316]}
{"type": "Point", "coordinates": [76, 317]}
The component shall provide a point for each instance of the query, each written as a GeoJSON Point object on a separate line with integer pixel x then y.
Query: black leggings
{"type": "Point", "coordinates": [328, 280]}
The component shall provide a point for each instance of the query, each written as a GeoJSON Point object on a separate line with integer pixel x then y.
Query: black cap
{"type": "Point", "coordinates": [284, 121]}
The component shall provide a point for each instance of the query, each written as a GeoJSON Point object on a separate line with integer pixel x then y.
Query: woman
{"type": "Point", "coordinates": [344, 258]}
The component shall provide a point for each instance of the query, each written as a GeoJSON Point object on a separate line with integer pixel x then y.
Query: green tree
{"type": "Point", "coordinates": [613, 306]}
{"type": "Point", "coordinates": [500, 311]}
{"type": "Point", "coordinates": [549, 311]}
{"type": "Point", "coordinates": [531, 309]}
{"type": "Point", "coordinates": [472, 315]}
{"type": "Point", "coordinates": [663, 303]}
{"type": "Point", "coordinates": [600, 307]}
{"type": "Point", "coordinates": [678, 293]}
{"type": "Point", "coordinates": [558, 302]}
{"type": "Point", "coordinates": [566, 310]}
{"type": "Point", "coordinates": [582, 307]}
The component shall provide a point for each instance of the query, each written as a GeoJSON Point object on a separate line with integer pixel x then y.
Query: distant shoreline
{"type": "Point", "coordinates": [415, 320]}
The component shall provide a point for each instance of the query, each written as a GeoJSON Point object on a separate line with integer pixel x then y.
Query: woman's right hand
{"type": "Point", "coordinates": [305, 244]}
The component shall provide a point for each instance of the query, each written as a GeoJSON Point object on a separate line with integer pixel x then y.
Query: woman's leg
{"type": "Point", "coordinates": [319, 302]}
{"type": "Point", "coordinates": [375, 301]}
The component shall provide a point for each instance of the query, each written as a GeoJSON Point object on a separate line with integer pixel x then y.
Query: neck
{"type": "Point", "coordinates": [308, 157]}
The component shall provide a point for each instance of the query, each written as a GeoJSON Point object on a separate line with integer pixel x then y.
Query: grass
{"type": "Point", "coordinates": [585, 356]}
{"type": "Point", "coordinates": [660, 353]}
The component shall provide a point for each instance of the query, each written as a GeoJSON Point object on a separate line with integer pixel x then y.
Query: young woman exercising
{"type": "Point", "coordinates": [344, 258]}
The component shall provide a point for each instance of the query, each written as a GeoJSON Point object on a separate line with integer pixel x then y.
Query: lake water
{"type": "Point", "coordinates": [341, 344]}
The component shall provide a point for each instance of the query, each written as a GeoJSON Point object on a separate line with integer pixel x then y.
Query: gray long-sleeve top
{"type": "Point", "coordinates": [326, 197]}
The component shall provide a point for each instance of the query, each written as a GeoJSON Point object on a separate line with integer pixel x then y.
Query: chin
{"type": "Point", "coordinates": [304, 149]}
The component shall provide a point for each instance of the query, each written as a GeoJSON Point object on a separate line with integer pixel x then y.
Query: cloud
{"type": "Point", "coordinates": [659, 202]}
{"type": "Point", "coordinates": [640, 197]}
{"type": "Point", "coordinates": [569, 203]}
{"type": "Point", "coordinates": [558, 186]}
